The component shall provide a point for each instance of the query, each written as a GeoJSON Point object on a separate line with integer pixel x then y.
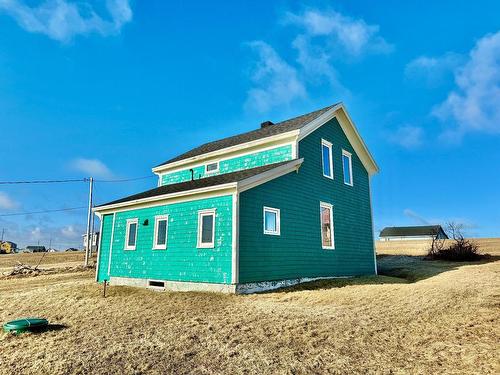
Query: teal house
{"type": "Point", "coordinates": [286, 203]}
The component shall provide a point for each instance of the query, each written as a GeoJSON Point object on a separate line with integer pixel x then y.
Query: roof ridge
{"type": "Point", "coordinates": [259, 133]}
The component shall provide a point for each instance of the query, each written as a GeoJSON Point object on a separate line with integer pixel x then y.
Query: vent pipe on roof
{"type": "Point", "coordinates": [265, 124]}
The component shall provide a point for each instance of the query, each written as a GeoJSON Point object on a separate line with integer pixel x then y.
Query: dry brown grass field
{"type": "Point", "coordinates": [486, 245]}
{"type": "Point", "coordinates": [423, 317]}
{"type": "Point", "coordinates": [47, 260]}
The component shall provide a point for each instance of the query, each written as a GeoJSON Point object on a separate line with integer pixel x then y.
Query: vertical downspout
{"type": "Point", "coordinates": [373, 229]}
{"type": "Point", "coordinates": [235, 240]}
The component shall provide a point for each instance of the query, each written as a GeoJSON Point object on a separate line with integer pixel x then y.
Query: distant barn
{"type": "Point", "coordinates": [421, 232]}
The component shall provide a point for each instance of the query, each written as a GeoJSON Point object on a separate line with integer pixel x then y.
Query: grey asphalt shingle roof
{"type": "Point", "coordinates": [200, 183]}
{"type": "Point", "coordinates": [421, 230]}
{"type": "Point", "coordinates": [268, 131]}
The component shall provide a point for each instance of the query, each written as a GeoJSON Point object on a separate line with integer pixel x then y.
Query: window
{"type": "Point", "coordinates": [347, 164]}
{"type": "Point", "coordinates": [326, 152]}
{"type": "Point", "coordinates": [271, 221]}
{"type": "Point", "coordinates": [161, 229]}
{"type": "Point", "coordinates": [131, 234]}
{"type": "Point", "coordinates": [206, 228]}
{"type": "Point", "coordinates": [212, 167]}
{"type": "Point", "coordinates": [327, 239]}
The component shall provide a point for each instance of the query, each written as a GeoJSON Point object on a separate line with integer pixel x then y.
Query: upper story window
{"type": "Point", "coordinates": [272, 221]}
{"type": "Point", "coordinates": [160, 235]}
{"type": "Point", "coordinates": [131, 234]}
{"type": "Point", "coordinates": [347, 166]}
{"type": "Point", "coordinates": [212, 167]}
{"type": "Point", "coordinates": [326, 153]}
{"type": "Point", "coordinates": [326, 217]}
{"type": "Point", "coordinates": [206, 228]}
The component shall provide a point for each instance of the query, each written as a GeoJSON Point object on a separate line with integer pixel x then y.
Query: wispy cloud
{"type": "Point", "coordinates": [407, 136]}
{"type": "Point", "coordinates": [319, 39]}
{"type": "Point", "coordinates": [353, 35]}
{"type": "Point", "coordinates": [6, 202]}
{"type": "Point", "coordinates": [433, 70]}
{"type": "Point", "coordinates": [275, 81]}
{"type": "Point", "coordinates": [415, 217]}
{"type": "Point", "coordinates": [62, 20]}
{"type": "Point", "coordinates": [473, 104]}
{"type": "Point", "coordinates": [92, 167]}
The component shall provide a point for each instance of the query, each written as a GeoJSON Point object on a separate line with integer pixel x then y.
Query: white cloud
{"type": "Point", "coordinates": [70, 232]}
{"type": "Point", "coordinates": [473, 105]}
{"type": "Point", "coordinates": [275, 81]}
{"type": "Point", "coordinates": [62, 20]}
{"type": "Point", "coordinates": [433, 70]}
{"type": "Point", "coordinates": [6, 202]}
{"type": "Point", "coordinates": [407, 136]}
{"type": "Point", "coordinates": [355, 36]}
{"type": "Point", "coordinates": [92, 167]}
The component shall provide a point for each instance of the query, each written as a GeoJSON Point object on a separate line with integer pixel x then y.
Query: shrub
{"type": "Point", "coordinates": [461, 250]}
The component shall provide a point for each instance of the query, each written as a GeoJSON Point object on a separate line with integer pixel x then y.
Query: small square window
{"type": "Point", "coordinates": [131, 234]}
{"type": "Point", "coordinates": [160, 235]}
{"type": "Point", "coordinates": [212, 167]}
{"type": "Point", "coordinates": [206, 228]}
{"type": "Point", "coordinates": [327, 160]}
{"type": "Point", "coordinates": [347, 166]}
{"type": "Point", "coordinates": [272, 221]}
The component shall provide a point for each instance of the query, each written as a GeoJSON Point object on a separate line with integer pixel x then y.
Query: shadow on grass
{"type": "Point", "coordinates": [392, 269]}
{"type": "Point", "coordinates": [49, 328]}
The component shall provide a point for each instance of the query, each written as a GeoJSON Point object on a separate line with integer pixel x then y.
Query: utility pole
{"type": "Point", "coordinates": [89, 223]}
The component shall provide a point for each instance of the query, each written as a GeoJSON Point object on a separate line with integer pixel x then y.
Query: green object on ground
{"type": "Point", "coordinates": [23, 325]}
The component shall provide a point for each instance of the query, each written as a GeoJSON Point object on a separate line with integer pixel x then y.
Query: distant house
{"type": "Point", "coordinates": [95, 241]}
{"type": "Point", "coordinates": [281, 204]}
{"type": "Point", "coordinates": [7, 247]}
{"type": "Point", "coordinates": [36, 249]}
{"type": "Point", "coordinates": [421, 232]}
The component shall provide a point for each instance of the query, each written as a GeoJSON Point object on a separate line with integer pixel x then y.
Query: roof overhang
{"type": "Point", "coordinates": [217, 190]}
{"type": "Point", "coordinates": [340, 112]}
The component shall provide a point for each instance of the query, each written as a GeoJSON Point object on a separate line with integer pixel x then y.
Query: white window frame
{"type": "Point", "coordinates": [157, 246]}
{"type": "Point", "coordinates": [332, 231]}
{"type": "Point", "coordinates": [127, 232]}
{"type": "Point", "coordinates": [349, 156]}
{"type": "Point", "coordinates": [209, 212]}
{"type": "Point", "coordinates": [214, 170]}
{"type": "Point", "coordinates": [324, 142]}
{"type": "Point", "coordinates": [277, 232]}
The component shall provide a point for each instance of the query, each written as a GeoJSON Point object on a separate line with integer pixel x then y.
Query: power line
{"type": "Point", "coordinates": [44, 211]}
{"type": "Point", "coordinates": [127, 179]}
{"type": "Point", "coordinates": [41, 181]}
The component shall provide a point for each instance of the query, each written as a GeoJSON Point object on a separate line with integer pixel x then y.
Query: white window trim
{"type": "Point", "coordinates": [214, 170]}
{"type": "Point", "coordinates": [330, 154]}
{"type": "Point", "coordinates": [202, 213]}
{"type": "Point", "coordinates": [278, 222]}
{"type": "Point", "coordinates": [159, 218]}
{"type": "Point", "coordinates": [332, 231]}
{"type": "Point", "coordinates": [349, 156]}
{"type": "Point", "coordinates": [127, 231]}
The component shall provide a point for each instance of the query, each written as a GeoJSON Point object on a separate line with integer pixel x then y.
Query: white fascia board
{"type": "Point", "coordinates": [340, 112]}
{"type": "Point", "coordinates": [240, 147]}
{"type": "Point", "coordinates": [264, 177]}
{"type": "Point", "coordinates": [172, 196]}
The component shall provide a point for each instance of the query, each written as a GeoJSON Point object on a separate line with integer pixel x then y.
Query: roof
{"type": "Point", "coordinates": [278, 128]}
{"type": "Point", "coordinates": [205, 182]}
{"type": "Point", "coordinates": [421, 230]}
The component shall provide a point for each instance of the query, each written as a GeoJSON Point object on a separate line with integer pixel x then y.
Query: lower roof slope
{"type": "Point", "coordinates": [201, 183]}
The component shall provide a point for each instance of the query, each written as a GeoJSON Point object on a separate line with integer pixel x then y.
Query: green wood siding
{"type": "Point", "coordinates": [297, 252]}
{"type": "Point", "coordinates": [182, 260]}
{"type": "Point", "coordinates": [107, 223]}
{"type": "Point", "coordinates": [256, 159]}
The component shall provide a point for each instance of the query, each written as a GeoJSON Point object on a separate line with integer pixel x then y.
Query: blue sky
{"type": "Point", "coordinates": [111, 89]}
